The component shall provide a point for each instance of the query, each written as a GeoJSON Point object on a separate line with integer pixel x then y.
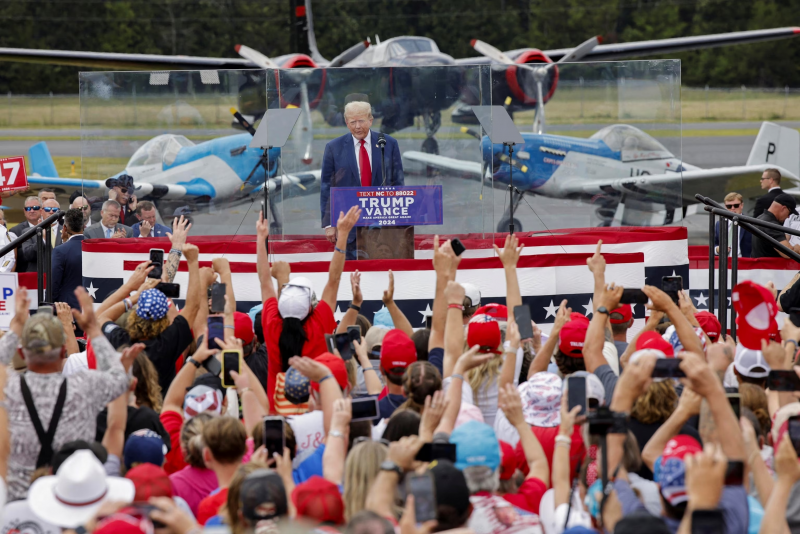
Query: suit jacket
{"type": "Point", "coordinates": [745, 240]}
{"type": "Point", "coordinates": [67, 271]}
{"type": "Point", "coordinates": [763, 203]}
{"type": "Point", "coordinates": [340, 168]}
{"type": "Point", "coordinates": [158, 231]}
{"type": "Point", "coordinates": [95, 231]}
{"type": "Point", "coordinates": [22, 262]}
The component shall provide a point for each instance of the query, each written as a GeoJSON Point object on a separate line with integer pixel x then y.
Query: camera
{"type": "Point", "coordinates": [603, 421]}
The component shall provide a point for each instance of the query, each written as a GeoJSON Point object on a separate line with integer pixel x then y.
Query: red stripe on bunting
{"type": "Point", "coordinates": [549, 260]}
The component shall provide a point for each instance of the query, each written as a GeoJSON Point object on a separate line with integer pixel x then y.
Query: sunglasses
{"type": "Point", "coordinates": [731, 206]}
{"type": "Point", "coordinates": [50, 210]}
{"type": "Point", "coordinates": [32, 208]}
{"type": "Point", "coordinates": [123, 190]}
{"type": "Point", "coordinates": [84, 208]}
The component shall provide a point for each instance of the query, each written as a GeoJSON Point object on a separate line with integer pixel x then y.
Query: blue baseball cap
{"type": "Point", "coordinates": [144, 447]}
{"type": "Point", "coordinates": [476, 444]}
{"type": "Point", "coordinates": [383, 318]}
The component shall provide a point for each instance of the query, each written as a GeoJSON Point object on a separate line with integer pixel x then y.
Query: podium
{"type": "Point", "coordinates": [389, 214]}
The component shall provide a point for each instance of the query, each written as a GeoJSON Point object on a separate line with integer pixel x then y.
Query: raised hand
{"type": "Point", "coordinates": [388, 293]}
{"type": "Point", "coordinates": [21, 312]}
{"type": "Point", "coordinates": [355, 287]}
{"type": "Point", "coordinates": [130, 354]}
{"type": "Point", "coordinates": [262, 226]}
{"type": "Point", "coordinates": [348, 220]}
{"type": "Point", "coordinates": [597, 263]}
{"type": "Point", "coordinates": [190, 252]}
{"type": "Point", "coordinates": [139, 275]}
{"type": "Point", "coordinates": [180, 229]}
{"type": "Point", "coordinates": [471, 359]}
{"type": "Point", "coordinates": [510, 402]}
{"type": "Point", "coordinates": [221, 265]}
{"type": "Point", "coordinates": [64, 314]}
{"type": "Point", "coordinates": [509, 256]}
{"type": "Point", "coordinates": [610, 297]}
{"type": "Point", "coordinates": [86, 318]}
{"type": "Point", "coordinates": [705, 476]}
{"type": "Point", "coordinates": [454, 293]}
{"type": "Point", "coordinates": [699, 375]}
{"type": "Point", "coordinates": [442, 260]}
{"type": "Point", "coordinates": [144, 228]}
{"type": "Point", "coordinates": [309, 368]}
{"type": "Point", "coordinates": [432, 414]}
{"type": "Point", "coordinates": [660, 300]}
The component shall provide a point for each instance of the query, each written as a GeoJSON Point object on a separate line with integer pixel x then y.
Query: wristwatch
{"type": "Point", "coordinates": [388, 465]}
{"type": "Point", "coordinates": [602, 309]}
{"type": "Point", "coordinates": [195, 362]}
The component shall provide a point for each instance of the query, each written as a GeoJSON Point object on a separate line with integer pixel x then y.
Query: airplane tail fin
{"type": "Point", "coordinates": [777, 145]}
{"type": "Point", "coordinates": [41, 161]}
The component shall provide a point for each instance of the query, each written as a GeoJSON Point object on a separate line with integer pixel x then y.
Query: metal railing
{"type": "Point", "coordinates": [44, 253]}
{"type": "Point", "coordinates": [750, 224]}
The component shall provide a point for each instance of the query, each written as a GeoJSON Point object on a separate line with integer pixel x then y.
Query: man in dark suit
{"type": "Point", "coordinates": [122, 190]}
{"type": "Point", "coordinates": [354, 160]}
{"type": "Point", "coordinates": [67, 260]}
{"type": "Point", "coordinates": [109, 226]}
{"type": "Point", "coordinates": [26, 256]}
{"type": "Point", "coordinates": [771, 181]}
{"type": "Point", "coordinates": [735, 203]}
{"type": "Point", "coordinates": [148, 227]}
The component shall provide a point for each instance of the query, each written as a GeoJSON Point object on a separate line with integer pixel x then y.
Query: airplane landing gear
{"type": "Point", "coordinates": [433, 121]}
{"type": "Point", "coordinates": [502, 226]}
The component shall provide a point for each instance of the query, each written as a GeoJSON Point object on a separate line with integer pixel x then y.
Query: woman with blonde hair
{"type": "Point", "coordinates": [360, 470]}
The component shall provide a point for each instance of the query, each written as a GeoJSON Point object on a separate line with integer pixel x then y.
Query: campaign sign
{"type": "Point", "coordinates": [12, 174]}
{"type": "Point", "coordinates": [412, 205]}
{"type": "Point", "coordinates": [8, 294]}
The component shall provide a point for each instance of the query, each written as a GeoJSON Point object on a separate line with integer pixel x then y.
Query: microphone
{"type": "Point", "coordinates": [381, 140]}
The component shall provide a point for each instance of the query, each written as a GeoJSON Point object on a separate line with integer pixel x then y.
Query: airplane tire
{"type": "Point", "coordinates": [430, 146]}
{"type": "Point", "coordinates": [502, 226]}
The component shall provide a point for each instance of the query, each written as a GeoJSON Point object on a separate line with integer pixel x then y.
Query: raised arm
{"type": "Point", "coordinates": [115, 312]}
{"type": "Point", "coordinates": [132, 284]}
{"type": "Point", "coordinates": [398, 317]}
{"type": "Point", "coordinates": [351, 314]}
{"type": "Point", "coordinates": [222, 267]}
{"type": "Point", "coordinates": [206, 277]}
{"type": "Point", "coordinates": [373, 383]}
{"type": "Point", "coordinates": [173, 401]}
{"type": "Point", "coordinates": [510, 361]}
{"type": "Point", "coordinates": [662, 302]}
{"type": "Point", "coordinates": [509, 257]}
{"type": "Point", "coordinates": [469, 360]}
{"type": "Point", "coordinates": [337, 441]}
{"type": "Point", "coordinates": [542, 358]}
{"type": "Point", "coordinates": [688, 405]}
{"type": "Point", "coordinates": [607, 297]}
{"type": "Point", "coordinates": [561, 467]}
{"type": "Point", "coordinates": [65, 316]}
{"type": "Point", "coordinates": [346, 223]}
{"type": "Point", "coordinates": [196, 295]}
{"type": "Point", "coordinates": [180, 229]}
{"type": "Point", "coordinates": [329, 390]}
{"type": "Point", "coordinates": [510, 402]}
{"type": "Point", "coordinates": [262, 259]}
{"type": "Point", "coordinates": [114, 437]}
{"type": "Point", "coordinates": [441, 264]}
{"type": "Point", "coordinates": [381, 495]}
{"type": "Point", "coordinates": [788, 471]}
{"type": "Point", "coordinates": [281, 271]}
{"type": "Point", "coordinates": [453, 327]}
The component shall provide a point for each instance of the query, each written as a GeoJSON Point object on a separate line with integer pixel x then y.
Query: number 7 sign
{"type": "Point", "coordinates": [12, 174]}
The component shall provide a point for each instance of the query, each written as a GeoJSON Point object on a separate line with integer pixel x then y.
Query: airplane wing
{"type": "Point", "coordinates": [114, 61]}
{"type": "Point", "coordinates": [610, 52]}
{"type": "Point", "coordinates": [469, 169]}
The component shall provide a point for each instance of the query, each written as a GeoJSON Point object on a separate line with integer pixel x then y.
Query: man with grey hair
{"type": "Point", "coordinates": [45, 409]}
{"type": "Point", "coordinates": [355, 160]}
{"type": "Point", "coordinates": [109, 226]}
{"type": "Point", "coordinates": [26, 255]}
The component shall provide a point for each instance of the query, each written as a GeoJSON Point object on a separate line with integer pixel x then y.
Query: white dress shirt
{"type": "Point", "coordinates": [367, 147]}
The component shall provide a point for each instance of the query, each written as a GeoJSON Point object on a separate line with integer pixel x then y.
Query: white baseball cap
{"type": "Point", "coordinates": [295, 300]}
{"type": "Point", "coordinates": [750, 362]}
{"type": "Point", "coordinates": [472, 292]}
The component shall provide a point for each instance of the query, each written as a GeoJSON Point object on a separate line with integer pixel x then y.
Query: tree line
{"type": "Point", "coordinates": [214, 27]}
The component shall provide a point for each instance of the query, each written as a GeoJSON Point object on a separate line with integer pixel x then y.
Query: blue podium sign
{"type": "Point", "coordinates": [413, 205]}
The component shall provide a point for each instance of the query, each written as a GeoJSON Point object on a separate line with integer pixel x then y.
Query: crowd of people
{"type": "Point", "coordinates": [142, 425]}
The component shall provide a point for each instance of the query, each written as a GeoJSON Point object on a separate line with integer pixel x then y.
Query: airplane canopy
{"type": "Point", "coordinates": [632, 143]}
{"type": "Point", "coordinates": [160, 149]}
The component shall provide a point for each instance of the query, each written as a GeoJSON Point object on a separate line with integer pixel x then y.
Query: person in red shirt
{"type": "Point", "coordinates": [292, 325]}
{"type": "Point", "coordinates": [225, 445]}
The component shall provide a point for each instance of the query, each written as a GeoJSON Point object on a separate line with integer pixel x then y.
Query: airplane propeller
{"type": "Point", "coordinates": [539, 70]}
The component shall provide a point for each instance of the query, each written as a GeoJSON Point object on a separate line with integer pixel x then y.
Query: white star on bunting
{"type": "Point", "coordinates": [92, 290]}
{"type": "Point", "coordinates": [551, 310]}
{"type": "Point", "coordinates": [589, 308]}
{"type": "Point", "coordinates": [702, 300]}
{"type": "Point", "coordinates": [426, 312]}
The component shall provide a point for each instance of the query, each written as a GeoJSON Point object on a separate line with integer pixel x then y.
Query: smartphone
{"type": "Point", "coordinates": [794, 432]}
{"type": "Point", "coordinates": [216, 329]}
{"type": "Point", "coordinates": [212, 365]}
{"type": "Point", "coordinates": [355, 335]}
{"type": "Point", "coordinates": [218, 297]}
{"type": "Point", "coordinates": [522, 316]}
{"type": "Point", "coordinates": [668, 368]}
{"type": "Point", "coordinates": [421, 487]}
{"type": "Point", "coordinates": [344, 345]}
{"type": "Point", "coordinates": [672, 285]}
{"type": "Point", "coordinates": [428, 321]}
{"type": "Point", "coordinates": [157, 261]}
{"type": "Point", "coordinates": [708, 522]}
{"type": "Point", "coordinates": [576, 391]}
{"type": "Point", "coordinates": [458, 246]}
{"type": "Point", "coordinates": [735, 400]}
{"type": "Point", "coordinates": [365, 409]}
{"type": "Point", "coordinates": [274, 435]}
{"type": "Point", "coordinates": [172, 291]}
{"type": "Point", "coordinates": [437, 451]}
{"type": "Point", "coordinates": [794, 316]}
{"type": "Point", "coordinates": [231, 361]}
{"type": "Point", "coordinates": [734, 475]}
{"type": "Point", "coordinates": [144, 510]}
{"type": "Point", "coordinates": [330, 343]}
{"type": "Point", "coordinates": [633, 296]}
{"type": "Point", "coordinates": [783, 381]}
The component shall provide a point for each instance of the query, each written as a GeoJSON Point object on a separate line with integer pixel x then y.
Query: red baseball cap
{"type": "Point", "coordinates": [319, 499]}
{"type": "Point", "coordinates": [625, 311]}
{"type": "Point", "coordinates": [508, 462]}
{"type": "Point", "coordinates": [397, 351]}
{"type": "Point", "coordinates": [577, 316]}
{"type": "Point", "coordinates": [653, 340]}
{"type": "Point", "coordinates": [149, 481]}
{"type": "Point", "coordinates": [243, 327]}
{"type": "Point", "coordinates": [710, 324]}
{"type": "Point", "coordinates": [755, 313]}
{"type": "Point", "coordinates": [486, 334]}
{"type": "Point", "coordinates": [336, 366]}
{"type": "Point", "coordinates": [572, 336]}
{"type": "Point", "coordinates": [498, 311]}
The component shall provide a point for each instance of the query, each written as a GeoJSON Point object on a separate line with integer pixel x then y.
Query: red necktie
{"type": "Point", "coordinates": [366, 170]}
